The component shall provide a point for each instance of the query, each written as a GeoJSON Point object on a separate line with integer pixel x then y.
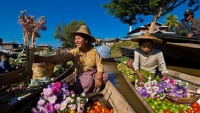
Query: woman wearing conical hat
{"type": "Point", "coordinates": [90, 74]}
{"type": "Point", "coordinates": [148, 58]}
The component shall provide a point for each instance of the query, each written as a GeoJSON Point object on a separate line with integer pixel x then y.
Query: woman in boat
{"type": "Point", "coordinates": [4, 64]}
{"type": "Point", "coordinates": [148, 58]}
{"type": "Point", "coordinates": [90, 76]}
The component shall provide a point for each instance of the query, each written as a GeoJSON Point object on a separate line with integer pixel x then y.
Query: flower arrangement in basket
{"type": "Point", "coordinates": [164, 88]}
{"type": "Point", "coordinates": [57, 98]}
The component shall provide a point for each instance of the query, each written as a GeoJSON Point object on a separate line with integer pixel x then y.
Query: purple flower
{"type": "Point", "coordinates": [49, 107]}
{"type": "Point", "coordinates": [65, 86]}
{"type": "Point", "coordinates": [179, 91]}
{"type": "Point", "coordinates": [143, 92]}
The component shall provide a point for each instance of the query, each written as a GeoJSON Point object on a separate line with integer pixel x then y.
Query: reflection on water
{"type": "Point", "coordinates": [120, 83]}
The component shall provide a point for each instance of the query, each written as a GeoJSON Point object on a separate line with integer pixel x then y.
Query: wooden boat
{"type": "Point", "coordinates": [127, 51]}
{"type": "Point", "coordinates": [109, 92]}
{"type": "Point", "coordinates": [7, 108]}
{"type": "Point", "coordinates": [12, 77]}
{"type": "Point", "coordinates": [194, 82]}
{"type": "Point", "coordinates": [179, 47]}
{"type": "Point", "coordinates": [115, 99]}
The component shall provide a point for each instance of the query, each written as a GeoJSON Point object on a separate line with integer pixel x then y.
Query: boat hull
{"type": "Point", "coordinates": [183, 51]}
{"type": "Point", "coordinates": [127, 51]}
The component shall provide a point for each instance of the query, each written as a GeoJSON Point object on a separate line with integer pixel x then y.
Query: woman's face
{"type": "Point", "coordinates": [146, 47]}
{"type": "Point", "coordinates": [80, 41]}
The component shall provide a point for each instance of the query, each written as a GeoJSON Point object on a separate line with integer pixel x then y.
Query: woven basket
{"type": "Point", "coordinates": [186, 100]}
{"type": "Point", "coordinates": [42, 70]}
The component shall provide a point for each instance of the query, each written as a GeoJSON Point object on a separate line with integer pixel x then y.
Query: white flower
{"type": "Point", "coordinates": [52, 99]}
{"type": "Point", "coordinates": [72, 106]}
{"type": "Point", "coordinates": [41, 102]}
{"type": "Point", "coordinates": [63, 105]}
{"type": "Point", "coordinates": [83, 94]}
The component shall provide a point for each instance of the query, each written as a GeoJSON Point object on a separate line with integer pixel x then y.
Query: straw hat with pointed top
{"type": "Point", "coordinates": [146, 36]}
{"type": "Point", "coordinates": [86, 31]}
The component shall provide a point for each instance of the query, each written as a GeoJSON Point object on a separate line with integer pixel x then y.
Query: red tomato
{"type": "Point", "coordinates": [181, 111]}
{"type": "Point", "coordinates": [198, 111]}
{"type": "Point", "coordinates": [98, 110]}
{"type": "Point", "coordinates": [166, 111]}
{"type": "Point", "coordinates": [195, 108]}
{"type": "Point", "coordinates": [189, 110]}
{"type": "Point", "coordinates": [195, 105]}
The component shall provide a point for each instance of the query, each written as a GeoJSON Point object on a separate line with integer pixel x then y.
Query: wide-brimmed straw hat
{"type": "Point", "coordinates": [86, 31]}
{"type": "Point", "coordinates": [146, 36]}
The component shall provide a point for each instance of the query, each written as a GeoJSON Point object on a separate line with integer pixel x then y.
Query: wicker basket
{"type": "Point", "coordinates": [42, 69]}
{"type": "Point", "coordinates": [186, 100]}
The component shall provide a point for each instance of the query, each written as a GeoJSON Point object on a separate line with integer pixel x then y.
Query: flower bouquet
{"type": "Point", "coordinates": [165, 87]}
{"type": "Point", "coordinates": [57, 98]}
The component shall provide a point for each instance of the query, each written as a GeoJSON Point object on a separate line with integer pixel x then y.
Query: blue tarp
{"type": "Point", "coordinates": [104, 51]}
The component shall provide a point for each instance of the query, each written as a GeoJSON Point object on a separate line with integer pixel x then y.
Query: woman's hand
{"type": "Point", "coordinates": [98, 82]}
{"type": "Point", "coordinates": [165, 75]}
{"type": "Point", "coordinates": [140, 79]}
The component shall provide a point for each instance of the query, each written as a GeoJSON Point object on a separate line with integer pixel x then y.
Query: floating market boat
{"type": "Point", "coordinates": [111, 96]}
{"type": "Point", "coordinates": [193, 85]}
{"type": "Point", "coordinates": [18, 98]}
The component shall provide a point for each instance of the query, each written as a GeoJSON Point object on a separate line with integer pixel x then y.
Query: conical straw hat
{"type": "Point", "coordinates": [146, 36]}
{"type": "Point", "coordinates": [84, 30]}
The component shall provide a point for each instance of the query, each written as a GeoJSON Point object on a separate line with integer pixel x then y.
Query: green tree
{"type": "Point", "coordinates": [62, 32]}
{"type": "Point", "coordinates": [130, 11]}
{"type": "Point", "coordinates": [171, 21]}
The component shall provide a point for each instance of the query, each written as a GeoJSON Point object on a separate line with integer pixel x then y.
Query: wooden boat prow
{"type": "Point", "coordinates": [113, 96]}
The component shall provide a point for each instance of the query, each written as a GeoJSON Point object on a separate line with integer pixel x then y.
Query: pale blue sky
{"type": "Point", "coordinates": [56, 11]}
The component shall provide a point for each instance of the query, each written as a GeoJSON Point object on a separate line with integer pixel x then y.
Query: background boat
{"type": "Point", "coordinates": [177, 46]}
{"type": "Point", "coordinates": [127, 51]}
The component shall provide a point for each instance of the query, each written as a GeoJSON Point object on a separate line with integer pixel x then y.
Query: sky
{"type": "Point", "coordinates": [57, 11]}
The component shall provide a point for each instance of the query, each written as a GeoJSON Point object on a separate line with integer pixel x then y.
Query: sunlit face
{"type": "Point", "coordinates": [188, 16]}
{"type": "Point", "coordinates": [146, 47]}
{"type": "Point", "coordinates": [80, 41]}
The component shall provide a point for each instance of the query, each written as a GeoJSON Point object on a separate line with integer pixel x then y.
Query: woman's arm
{"type": "Point", "coordinates": [162, 65]}
{"type": "Point", "coordinates": [136, 65]}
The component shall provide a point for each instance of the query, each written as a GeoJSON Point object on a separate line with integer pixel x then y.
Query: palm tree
{"type": "Point", "coordinates": [171, 21]}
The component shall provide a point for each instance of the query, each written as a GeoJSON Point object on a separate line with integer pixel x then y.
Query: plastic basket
{"type": "Point", "coordinates": [42, 69]}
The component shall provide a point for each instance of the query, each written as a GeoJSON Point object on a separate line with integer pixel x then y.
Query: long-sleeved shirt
{"type": "Point", "coordinates": [150, 61]}
{"type": "Point", "coordinates": [83, 62]}
{"type": "Point", "coordinates": [195, 25]}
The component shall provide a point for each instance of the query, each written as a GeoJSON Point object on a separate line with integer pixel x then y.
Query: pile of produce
{"type": "Point", "coordinates": [19, 62]}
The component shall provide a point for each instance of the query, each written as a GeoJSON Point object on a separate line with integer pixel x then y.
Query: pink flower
{"type": "Point", "coordinates": [57, 84]}
{"type": "Point", "coordinates": [56, 90]}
